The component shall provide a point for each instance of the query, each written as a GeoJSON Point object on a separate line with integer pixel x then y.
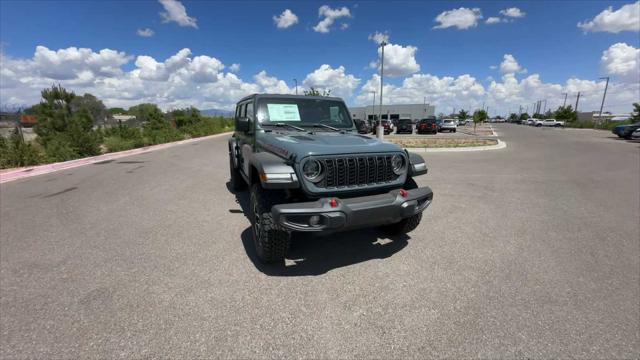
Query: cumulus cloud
{"type": "Point", "coordinates": [176, 12]}
{"type": "Point", "coordinates": [330, 15]}
{"type": "Point", "coordinates": [146, 32]}
{"type": "Point", "coordinates": [492, 20]}
{"type": "Point", "coordinates": [286, 19]}
{"type": "Point", "coordinates": [337, 80]}
{"type": "Point", "coordinates": [627, 18]}
{"type": "Point", "coordinates": [461, 18]}
{"type": "Point", "coordinates": [234, 68]}
{"type": "Point", "coordinates": [398, 60]}
{"type": "Point", "coordinates": [509, 65]}
{"type": "Point", "coordinates": [513, 12]}
{"type": "Point", "coordinates": [379, 37]}
{"type": "Point", "coordinates": [271, 84]}
{"type": "Point", "coordinates": [623, 61]}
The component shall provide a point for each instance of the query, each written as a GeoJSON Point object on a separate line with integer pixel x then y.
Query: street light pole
{"type": "Point", "coordinates": [379, 130]}
{"type": "Point", "coordinates": [603, 95]}
{"type": "Point", "coordinates": [565, 99]}
{"type": "Point", "coordinates": [373, 106]}
{"type": "Point", "coordinates": [296, 81]}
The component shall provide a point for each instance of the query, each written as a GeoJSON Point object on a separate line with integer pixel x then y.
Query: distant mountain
{"type": "Point", "coordinates": [217, 112]}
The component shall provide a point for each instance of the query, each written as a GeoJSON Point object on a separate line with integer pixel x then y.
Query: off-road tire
{"type": "Point", "coordinates": [405, 225]}
{"type": "Point", "coordinates": [271, 241]}
{"type": "Point", "coordinates": [236, 180]}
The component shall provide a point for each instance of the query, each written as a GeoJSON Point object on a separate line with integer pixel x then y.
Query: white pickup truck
{"type": "Point", "coordinates": [548, 122]}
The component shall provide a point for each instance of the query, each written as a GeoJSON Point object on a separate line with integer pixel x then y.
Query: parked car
{"type": "Point", "coordinates": [618, 130]}
{"type": "Point", "coordinates": [635, 134]}
{"type": "Point", "coordinates": [448, 125]}
{"type": "Point", "coordinates": [387, 127]}
{"type": "Point", "coordinates": [531, 122]}
{"type": "Point", "coordinates": [308, 174]}
{"type": "Point", "coordinates": [362, 126]}
{"type": "Point", "coordinates": [462, 122]}
{"type": "Point", "coordinates": [439, 124]}
{"type": "Point", "coordinates": [552, 122]}
{"type": "Point", "coordinates": [427, 126]}
{"type": "Point", "coordinates": [405, 126]}
{"type": "Point", "coordinates": [629, 129]}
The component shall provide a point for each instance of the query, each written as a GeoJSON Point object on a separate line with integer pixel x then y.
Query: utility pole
{"type": "Point", "coordinates": [424, 104]}
{"type": "Point", "coordinates": [373, 107]}
{"type": "Point", "coordinates": [603, 95]}
{"type": "Point", "coordinates": [296, 81]}
{"type": "Point", "coordinates": [545, 107]}
{"type": "Point", "coordinates": [379, 130]}
{"type": "Point", "coordinates": [577, 99]}
{"type": "Point", "coordinates": [565, 99]}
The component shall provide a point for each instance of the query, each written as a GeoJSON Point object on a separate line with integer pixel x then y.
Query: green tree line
{"type": "Point", "coordinates": [71, 127]}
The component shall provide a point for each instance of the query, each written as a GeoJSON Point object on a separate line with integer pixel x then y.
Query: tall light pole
{"type": "Point", "coordinates": [565, 99]}
{"type": "Point", "coordinates": [603, 95]}
{"type": "Point", "coordinates": [545, 106]}
{"type": "Point", "coordinates": [379, 130]}
{"type": "Point", "coordinates": [373, 107]}
{"type": "Point", "coordinates": [577, 100]}
{"type": "Point", "coordinates": [296, 81]}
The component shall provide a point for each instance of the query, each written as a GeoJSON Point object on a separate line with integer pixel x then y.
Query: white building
{"type": "Point", "coordinates": [393, 112]}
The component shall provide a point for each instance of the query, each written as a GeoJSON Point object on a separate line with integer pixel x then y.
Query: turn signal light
{"type": "Point", "coordinates": [333, 202]}
{"type": "Point", "coordinates": [404, 193]}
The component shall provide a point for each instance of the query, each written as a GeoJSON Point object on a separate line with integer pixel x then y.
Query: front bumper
{"type": "Point", "coordinates": [352, 213]}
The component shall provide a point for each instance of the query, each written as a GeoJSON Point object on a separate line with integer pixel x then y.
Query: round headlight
{"type": "Point", "coordinates": [312, 170]}
{"type": "Point", "coordinates": [397, 164]}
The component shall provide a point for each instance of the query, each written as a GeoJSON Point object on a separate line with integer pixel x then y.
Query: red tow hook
{"type": "Point", "coordinates": [333, 202]}
{"type": "Point", "coordinates": [404, 193]}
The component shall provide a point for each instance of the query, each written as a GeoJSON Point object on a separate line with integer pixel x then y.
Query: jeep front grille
{"type": "Point", "coordinates": [356, 171]}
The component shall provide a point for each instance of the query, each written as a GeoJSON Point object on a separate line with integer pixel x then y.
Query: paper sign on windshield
{"type": "Point", "coordinates": [283, 112]}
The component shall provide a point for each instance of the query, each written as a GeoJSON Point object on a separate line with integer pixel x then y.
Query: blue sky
{"type": "Point", "coordinates": [545, 40]}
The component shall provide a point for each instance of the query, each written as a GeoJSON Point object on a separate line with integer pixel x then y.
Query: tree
{"type": "Point", "coordinates": [93, 106]}
{"type": "Point", "coordinates": [65, 131]}
{"type": "Point", "coordinates": [537, 116]}
{"type": "Point", "coordinates": [635, 116]}
{"type": "Point", "coordinates": [185, 117]}
{"type": "Point", "coordinates": [479, 116]}
{"type": "Point", "coordinates": [513, 117]}
{"type": "Point", "coordinates": [463, 115]}
{"type": "Point", "coordinates": [146, 112]}
{"type": "Point", "coordinates": [524, 116]}
{"type": "Point", "coordinates": [315, 92]}
{"type": "Point", "coordinates": [117, 110]}
{"type": "Point", "coordinates": [565, 113]}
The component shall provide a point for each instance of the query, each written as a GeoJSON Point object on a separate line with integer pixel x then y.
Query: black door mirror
{"type": "Point", "coordinates": [243, 124]}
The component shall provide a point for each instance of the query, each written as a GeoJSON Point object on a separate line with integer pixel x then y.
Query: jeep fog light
{"type": "Point", "coordinates": [312, 170]}
{"type": "Point", "coordinates": [397, 164]}
{"type": "Point", "coordinates": [314, 220]}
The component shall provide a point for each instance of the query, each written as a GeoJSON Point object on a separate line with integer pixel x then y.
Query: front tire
{"type": "Point", "coordinates": [270, 239]}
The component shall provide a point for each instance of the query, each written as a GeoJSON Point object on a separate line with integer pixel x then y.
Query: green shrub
{"type": "Point", "coordinates": [60, 149]}
{"type": "Point", "coordinates": [14, 152]}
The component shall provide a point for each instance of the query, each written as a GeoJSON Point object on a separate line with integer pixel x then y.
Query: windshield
{"type": "Point", "coordinates": [303, 112]}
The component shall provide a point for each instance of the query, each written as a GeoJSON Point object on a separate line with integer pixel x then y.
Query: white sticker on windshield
{"type": "Point", "coordinates": [283, 112]}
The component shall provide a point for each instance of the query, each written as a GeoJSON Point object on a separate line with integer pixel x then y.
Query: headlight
{"type": "Point", "coordinates": [312, 170]}
{"type": "Point", "coordinates": [397, 164]}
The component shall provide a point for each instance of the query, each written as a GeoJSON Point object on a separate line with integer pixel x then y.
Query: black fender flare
{"type": "Point", "coordinates": [274, 172]}
{"type": "Point", "coordinates": [417, 165]}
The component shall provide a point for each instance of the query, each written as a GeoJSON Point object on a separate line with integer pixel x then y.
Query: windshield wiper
{"type": "Point", "coordinates": [286, 125]}
{"type": "Point", "coordinates": [323, 126]}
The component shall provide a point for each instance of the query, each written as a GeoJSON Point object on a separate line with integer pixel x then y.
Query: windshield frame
{"type": "Point", "coordinates": [261, 112]}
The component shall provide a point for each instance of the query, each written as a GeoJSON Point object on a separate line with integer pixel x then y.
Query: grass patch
{"type": "Point", "coordinates": [442, 143]}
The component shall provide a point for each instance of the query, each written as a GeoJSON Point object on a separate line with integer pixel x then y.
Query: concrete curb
{"type": "Point", "coordinates": [26, 172]}
{"type": "Point", "coordinates": [500, 145]}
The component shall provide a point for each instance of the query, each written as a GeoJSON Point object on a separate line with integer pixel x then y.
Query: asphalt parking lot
{"type": "Point", "coordinates": [530, 251]}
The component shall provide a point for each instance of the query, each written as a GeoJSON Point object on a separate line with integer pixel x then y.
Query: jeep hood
{"type": "Point", "coordinates": [303, 144]}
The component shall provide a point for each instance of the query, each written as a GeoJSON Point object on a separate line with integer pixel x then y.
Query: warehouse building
{"type": "Point", "coordinates": [393, 112]}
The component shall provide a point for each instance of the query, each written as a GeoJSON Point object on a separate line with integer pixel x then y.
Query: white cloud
{"type": "Point", "coordinates": [492, 20]}
{"type": "Point", "coordinates": [65, 64]}
{"type": "Point", "coordinates": [271, 84]}
{"type": "Point", "coordinates": [627, 18]}
{"type": "Point", "coordinates": [146, 32]}
{"type": "Point", "coordinates": [330, 15]}
{"type": "Point", "coordinates": [234, 68]}
{"type": "Point", "coordinates": [513, 12]}
{"type": "Point", "coordinates": [398, 60]}
{"type": "Point", "coordinates": [337, 80]}
{"type": "Point", "coordinates": [176, 12]}
{"type": "Point", "coordinates": [509, 65]}
{"type": "Point", "coordinates": [462, 18]}
{"type": "Point", "coordinates": [379, 37]}
{"type": "Point", "coordinates": [623, 61]}
{"type": "Point", "coordinates": [493, 67]}
{"type": "Point", "coordinates": [344, 26]}
{"type": "Point", "coordinates": [286, 19]}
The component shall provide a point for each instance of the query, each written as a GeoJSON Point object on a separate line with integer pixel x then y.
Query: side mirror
{"type": "Point", "coordinates": [243, 124]}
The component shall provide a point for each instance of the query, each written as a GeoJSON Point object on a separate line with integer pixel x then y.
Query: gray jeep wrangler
{"type": "Point", "coordinates": [309, 170]}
